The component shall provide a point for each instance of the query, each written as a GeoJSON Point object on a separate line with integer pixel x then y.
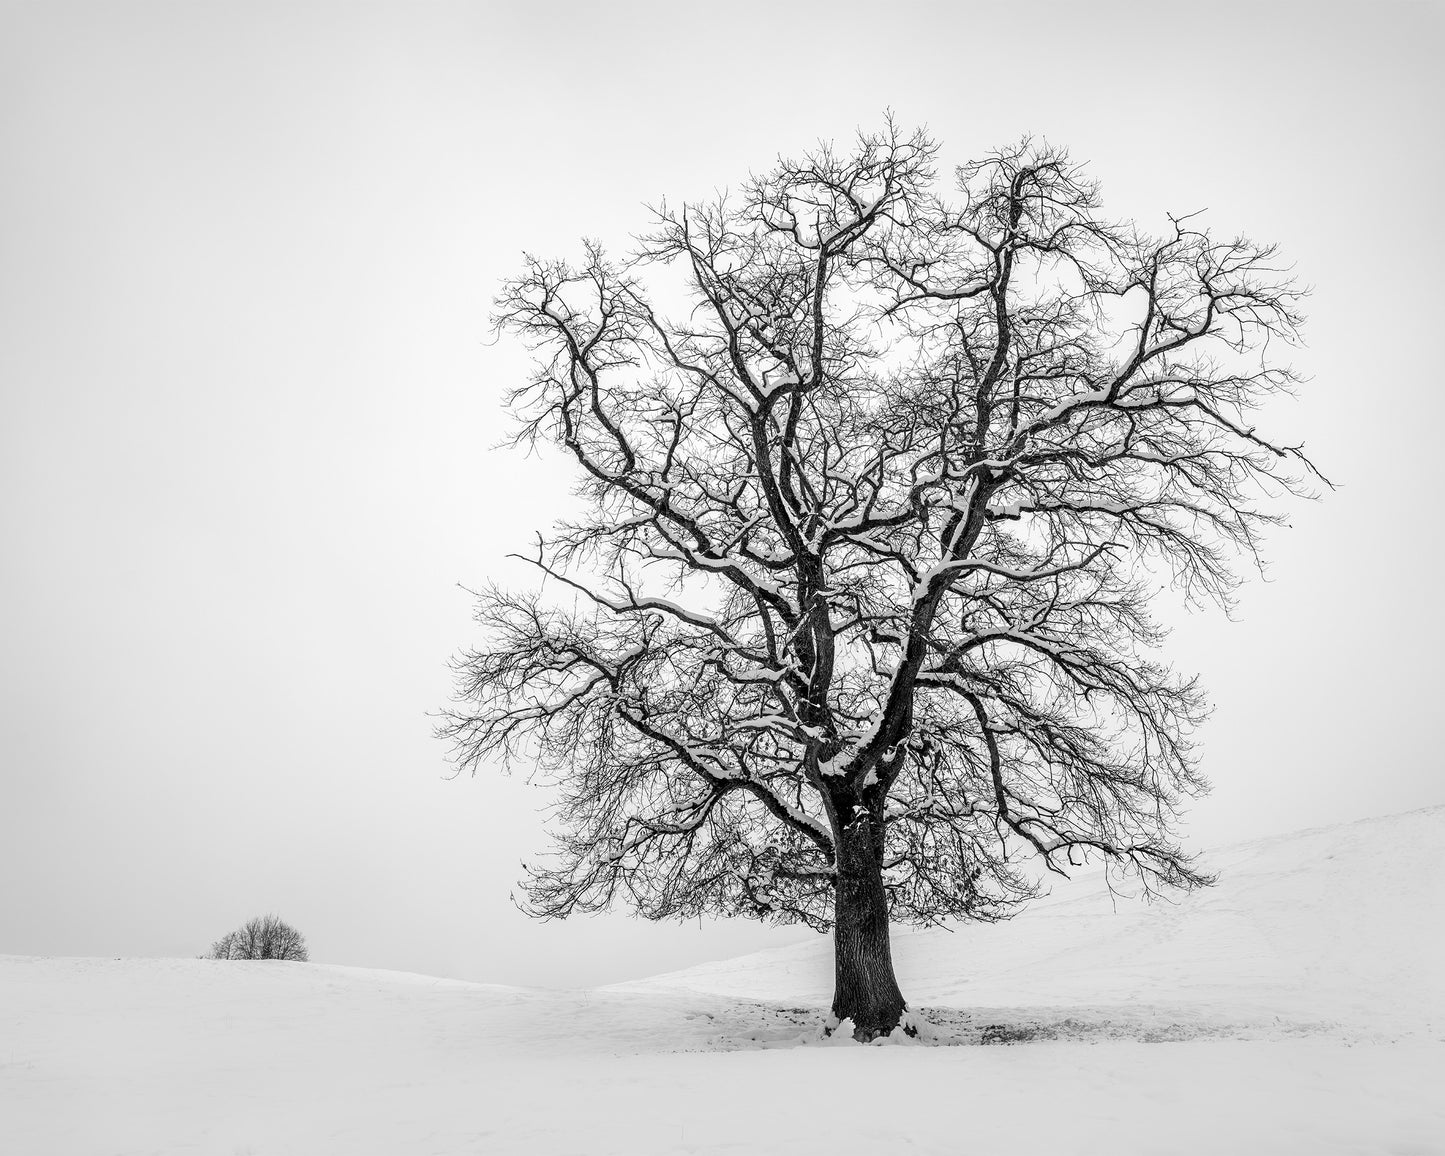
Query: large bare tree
{"type": "Point", "coordinates": [856, 628]}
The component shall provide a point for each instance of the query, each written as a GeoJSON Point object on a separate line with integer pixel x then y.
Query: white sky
{"type": "Point", "coordinates": [246, 259]}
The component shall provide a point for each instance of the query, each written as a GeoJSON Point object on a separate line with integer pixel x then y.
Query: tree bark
{"type": "Point", "coordinates": [865, 988]}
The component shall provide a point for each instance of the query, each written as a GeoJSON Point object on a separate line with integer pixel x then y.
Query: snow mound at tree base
{"type": "Point", "coordinates": [749, 1026]}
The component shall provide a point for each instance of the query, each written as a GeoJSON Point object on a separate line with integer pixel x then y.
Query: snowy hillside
{"type": "Point", "coordinates": [1340, 928]}
{"type": "Point", "coordinates": [1297, 1007]}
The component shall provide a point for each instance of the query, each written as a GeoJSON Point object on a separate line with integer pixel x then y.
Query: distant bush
{"type": "Point", "coordinates": [265, 937]}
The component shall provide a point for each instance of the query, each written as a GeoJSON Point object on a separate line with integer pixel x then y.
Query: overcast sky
{"type": "Point", "coordinates": [247, 404]}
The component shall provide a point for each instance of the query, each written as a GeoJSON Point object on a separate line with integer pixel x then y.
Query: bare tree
{"type": "Point", "coordinates": [857, 628]}
{"type": "Point", "coordinates": [265, 937]}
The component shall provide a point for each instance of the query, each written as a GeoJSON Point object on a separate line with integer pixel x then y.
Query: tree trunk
{"type": "Point", "coordinates": [865, 989]}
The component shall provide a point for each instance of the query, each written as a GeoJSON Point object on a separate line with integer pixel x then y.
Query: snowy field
{"type": "Point", "coordinates": [1299, 1006]}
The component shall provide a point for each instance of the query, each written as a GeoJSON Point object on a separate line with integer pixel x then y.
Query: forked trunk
{"type": "Point", "coordinates": [865, 990]}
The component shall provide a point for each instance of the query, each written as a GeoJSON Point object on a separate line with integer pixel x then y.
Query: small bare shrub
{"type": "Point", "coordinates": [265, 937]}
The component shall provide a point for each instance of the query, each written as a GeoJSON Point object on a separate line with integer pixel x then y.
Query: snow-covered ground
{"type": "Point", "coordinates": [1297, 1007]}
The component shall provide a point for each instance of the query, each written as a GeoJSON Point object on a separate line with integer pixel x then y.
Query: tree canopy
{"type": "Point", "coordinates": [878, 503]}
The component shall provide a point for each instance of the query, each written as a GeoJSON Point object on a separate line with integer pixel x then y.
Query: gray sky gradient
{"type": "Point", "coordinates": [247, 405]}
